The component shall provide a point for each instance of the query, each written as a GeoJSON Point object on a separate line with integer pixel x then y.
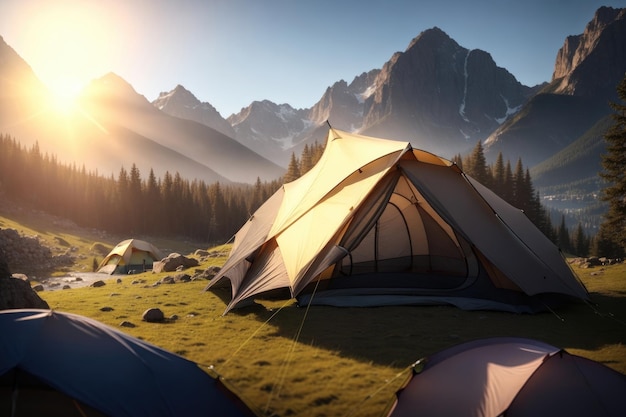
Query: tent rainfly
{"type": "Point", "coordinates": [510, 377]}
{"type": "Point", "coordinates": [376, 222]}
{"type": "Point", "coordinates": [61, 364]}
{"type": "Point", "coordinates": [128, 256]}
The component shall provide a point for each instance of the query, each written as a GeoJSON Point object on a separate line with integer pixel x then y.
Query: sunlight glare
{"type": "Point", "coordinates": [64, 96]}
{"type": "Point", "coordinates": [68, 44]}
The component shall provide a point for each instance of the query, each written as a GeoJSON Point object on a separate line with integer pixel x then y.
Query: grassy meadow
{"type": "Point", "coordinates": [285, 360]}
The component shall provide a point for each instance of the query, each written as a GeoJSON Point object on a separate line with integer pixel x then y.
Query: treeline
{"type": "Point", "coordinates": [129, 204]}
{"type": "Point", "coordinates": [514, 185]}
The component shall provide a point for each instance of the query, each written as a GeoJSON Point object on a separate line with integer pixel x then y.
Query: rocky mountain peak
{"type": "Point", "coordinates": [111, 88]}
{"type": "Point", "coordinates": [181, 103]}
{"type": "Point", "coordinates": [442, 95]}
{"type": "Point", "coordinates": [593, 62]}
{"type": "Point", "coordinates": [431, 37]}
{"type": "Point", "coordinates": [342, 104]}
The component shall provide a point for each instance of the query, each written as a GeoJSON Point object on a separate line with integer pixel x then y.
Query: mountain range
{"type": "Point", "coordinates": [442, 97]}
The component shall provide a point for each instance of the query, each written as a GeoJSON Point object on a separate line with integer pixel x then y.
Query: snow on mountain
{"type": "Point", "coordinates": [181, 103]}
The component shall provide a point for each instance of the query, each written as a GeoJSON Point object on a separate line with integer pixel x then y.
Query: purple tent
{"type": "Point", "coordinates": [60, 364]}
{"type": "Point", "coordinates": [510, 377]}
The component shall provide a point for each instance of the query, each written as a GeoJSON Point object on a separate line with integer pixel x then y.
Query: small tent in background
{"type": "Point", "coordinates": [510, 377]}
{"type": "Point", "coordinates": [128, 256]}
{"type": "Point", "coordinates": [376, 222]}
{"type": "Point", "coordinates": [60, 364]}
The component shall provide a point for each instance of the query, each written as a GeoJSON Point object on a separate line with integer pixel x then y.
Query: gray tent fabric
{"type": "Point", "coordinates": [376, 222]}
{"type": "Point", "coordinates": [506, 376]}
{"type": "Point", "coordinates": [61, 364]}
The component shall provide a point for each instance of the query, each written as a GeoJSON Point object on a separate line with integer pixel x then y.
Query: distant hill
{"type": "Point", "coordinates": [577, 165]}
{"type": "Point", "coordinates": [113, 127]}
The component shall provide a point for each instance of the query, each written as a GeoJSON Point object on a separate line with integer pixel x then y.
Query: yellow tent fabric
{"type": "Point", "coordinates": [378, 222]}
{"type": "Point", "coordinates": [130, 255]}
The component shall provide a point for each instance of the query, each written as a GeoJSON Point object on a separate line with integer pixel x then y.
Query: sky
{"type": "Point", "coordinates": [232, 52]}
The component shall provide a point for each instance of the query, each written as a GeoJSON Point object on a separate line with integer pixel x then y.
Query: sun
{"type": "Point", "coordinates": [64, 96]}
{"type": "Point", "coordinates": [68, 44]}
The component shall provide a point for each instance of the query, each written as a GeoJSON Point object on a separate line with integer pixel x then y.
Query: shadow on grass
{"type": "Point", "coordinates": [398, 336]}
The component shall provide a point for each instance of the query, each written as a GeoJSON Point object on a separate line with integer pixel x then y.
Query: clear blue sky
{"type": "Point", "coordinates": [232, 52]}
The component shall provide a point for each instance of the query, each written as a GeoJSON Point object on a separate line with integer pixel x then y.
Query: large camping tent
{"type": "Point", "coordinates": [61, 364]}
{"type": "Point", "coordinates": [130, 255]}
{"type": "Point", "coordinates": [376, 222]}
{"type": "Point", "coordinates": [506, 376]}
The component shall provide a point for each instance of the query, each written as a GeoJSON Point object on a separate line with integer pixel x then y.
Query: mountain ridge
{"type": "Point", "coordinates": [437, 94]}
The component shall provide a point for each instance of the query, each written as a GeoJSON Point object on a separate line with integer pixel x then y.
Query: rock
{"type": "Point", "coordinates": [172, 262]}
{"type": "Point", "coordinates": [153, 315]}
{"type": "Point", "coordinates": [28, 254]}
{"type": "Point", "coordinates": [15, 292]}
{"type": "Point", "coordinates": [97, 284]}
{"type": "Point", "coordinates": [61, 241]}
{"type": "Point", "coordinates": [99, 249]}
{"type": "Point", "coordinates": [126, 323]}
{"type": "Point", "coordinates": [38, 288]}
{"type": "Point", "coordinates": [182, 278]}
{"type": "Point", "coordinates": [167, 280]}
{"type": "Point", "coordinates": [208, 273]}
{"type": "Point", "coordinates": [23, 277]}
{"type": "Point", "coordinates": [106, 308]}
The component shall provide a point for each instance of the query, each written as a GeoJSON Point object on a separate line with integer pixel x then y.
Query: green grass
{"type": "Point", "coordinates": [286, 360]}
{"type": "Point", "coordinates": [342, 356]}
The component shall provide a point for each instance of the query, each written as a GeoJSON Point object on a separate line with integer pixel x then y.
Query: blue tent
{"type": "Point", "coordinates": [60, 364]}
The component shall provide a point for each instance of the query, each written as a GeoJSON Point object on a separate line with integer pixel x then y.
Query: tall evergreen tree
{"type": "Point", "coordinates": [293, 170]}
{"type": "Point", "coordinates": [580, 241]}
{"type": "Point", "coordinates": [564, 242]}
{"type": "Point", "coordinates": [613, 227]}
{"type": "Point", "coordinates": [509, 193]}
{"type": "Point", "coordinates": [521, 190]}
{"type": "Point", "coordinates": [498, 179]}
{"type": "Point", "coordinates": [477, 166]}
{"type": "Point", "coordinates": [306, 160]}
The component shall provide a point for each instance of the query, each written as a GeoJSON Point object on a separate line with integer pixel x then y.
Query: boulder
{"type": "Point", "coordinates": [172, 263]}
{"type": "Point", "coordinates": [153, 315]}
{"type": "Point", "coordinates": [208, 273]}
{"type": "Point", "coordinates": [16, 292]}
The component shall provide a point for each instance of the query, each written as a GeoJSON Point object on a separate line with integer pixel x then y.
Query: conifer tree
{"type": "Point", "coordinates": [477, 166]}
{"type": "Point", "coordinates": [498, 180]}
{"type": "Point", "coordinates": [563, 236]}
{"type": "Point", "coordinates": [613, 227]}
{"type": "Point", "coordinates": [521, 192]}
{"type": "Point", "coordinates": [580, 241]}
{"type": "Point", "coordinates": [306, 160]}
{"type": "Point", "coordinates": [508, 193]}
{"type": "Point", "coordinates": [293, 170]}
